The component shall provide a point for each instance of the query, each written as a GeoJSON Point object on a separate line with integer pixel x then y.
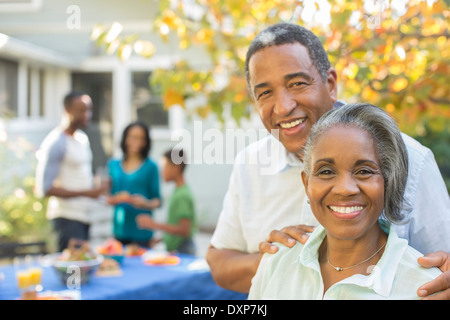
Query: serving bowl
{"type": "Point", "coordinates": [73, 273]}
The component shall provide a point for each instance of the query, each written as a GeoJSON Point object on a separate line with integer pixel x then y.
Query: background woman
{"type": "Point", "coordinates": [134, 185]}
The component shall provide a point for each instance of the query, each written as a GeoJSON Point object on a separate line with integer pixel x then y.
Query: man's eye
{"type": "Point", "coordinates": [262, 94]}
{"type": "Point", "coordinates": [298, 84]}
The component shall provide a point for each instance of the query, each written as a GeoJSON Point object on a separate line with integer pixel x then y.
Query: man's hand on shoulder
{"type": "Point", "coordinates": [287, 236]}
{"type": "Point", "coordinates": [441, 285]}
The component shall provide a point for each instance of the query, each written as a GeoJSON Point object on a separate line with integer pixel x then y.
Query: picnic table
{"type": "Point", "coordinates": [190, 279]}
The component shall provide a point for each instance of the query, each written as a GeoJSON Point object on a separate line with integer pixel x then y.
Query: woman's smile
{"type": "Point", "coordinates": [346, 212]}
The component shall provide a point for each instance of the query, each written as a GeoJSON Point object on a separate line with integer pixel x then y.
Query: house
{"type": "Point", "coordinates": [46, 50]}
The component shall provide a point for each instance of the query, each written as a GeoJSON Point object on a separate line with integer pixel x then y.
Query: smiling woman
{"type": "Point", "coordinates": [356, 167]}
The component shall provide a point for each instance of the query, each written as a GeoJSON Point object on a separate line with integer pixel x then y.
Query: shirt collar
{"type": "Point", "coordinates": [383, 273]}
{"type": "Point", "coordinates": [282, 159]}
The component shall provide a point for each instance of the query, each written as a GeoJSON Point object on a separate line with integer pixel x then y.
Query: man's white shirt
{"type": "Point", "coordinates": [65, 161]}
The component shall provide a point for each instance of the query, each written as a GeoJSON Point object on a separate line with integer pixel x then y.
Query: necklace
{"type": "Point", "coordinates": [355, 265]}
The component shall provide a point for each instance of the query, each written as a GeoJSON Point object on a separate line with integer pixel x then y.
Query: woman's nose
{"type": "Point", "coordinates": [346, 185]}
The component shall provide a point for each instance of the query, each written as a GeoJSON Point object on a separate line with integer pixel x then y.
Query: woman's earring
{"type": "Point", "coordinates": [307, 200]}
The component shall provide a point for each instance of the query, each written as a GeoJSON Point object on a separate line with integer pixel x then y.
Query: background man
{"type": "Point", "coordinates": [64, 172]}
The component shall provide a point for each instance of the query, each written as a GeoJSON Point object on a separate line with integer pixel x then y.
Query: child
{"type": "Point", "coordinates": [179, 229]}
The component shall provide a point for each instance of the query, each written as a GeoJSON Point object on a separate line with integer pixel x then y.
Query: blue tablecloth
{"type": "Point", "coordinates": [185, 281]}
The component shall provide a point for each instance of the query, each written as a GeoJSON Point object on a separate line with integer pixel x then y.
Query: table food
{"type": "Point", "coordinates": [76, 264]}
{"type": "Point", "coordinates": [109, 268]}
{"type": "Point", "coordinates": [112, 249]}
{"type": "Point", "coordinates": [159, 258]}
{"type": "Point", "coordinates": [133, 250]}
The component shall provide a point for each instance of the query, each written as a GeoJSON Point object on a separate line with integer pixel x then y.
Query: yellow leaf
{"type": "Point", "coordinates": [390, 107]}
{"type": "Point", "coordinates": [399, 84]}
{"type": "Point", "coordinates": [351, 70]}
{"type": "Point", "coordinates": [396, 69]}
{"type": "Point", "coordinates": [203, 112]}
{"type": "Point", "coordinates": [239, 97]}
{"type": "Point", "coordinates": [367, 94]}
{"type": "Point", "coordinates": [172, 97]}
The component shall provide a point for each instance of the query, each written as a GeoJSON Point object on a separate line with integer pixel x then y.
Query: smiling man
{"type": "Point", "coordinates": [293, 85]}
{"type": "Point", "coordinates": [291, 94]}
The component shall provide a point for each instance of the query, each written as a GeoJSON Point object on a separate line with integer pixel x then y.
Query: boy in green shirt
{"type": "Point", "coordinates": [179, 229]}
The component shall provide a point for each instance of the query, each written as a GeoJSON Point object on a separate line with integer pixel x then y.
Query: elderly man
{"type": "Point", "coordinates": [293, 85]}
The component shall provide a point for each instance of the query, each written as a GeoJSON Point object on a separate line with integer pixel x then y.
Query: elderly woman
{"type": "Point", "coordinates": [355, 172]}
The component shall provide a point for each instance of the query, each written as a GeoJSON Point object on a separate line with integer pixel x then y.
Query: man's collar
{"type": "Point", "coordinates": [287, 159]}
{"type": "Point", "coordinates": [281, 158]}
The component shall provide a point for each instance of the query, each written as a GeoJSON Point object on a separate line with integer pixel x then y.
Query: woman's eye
{"type": "Point", "coordinates": [365, 172]}
{"type": "Point", "coordinates": [325, 172]}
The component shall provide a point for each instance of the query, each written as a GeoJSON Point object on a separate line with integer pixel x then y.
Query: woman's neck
{"type": "Point", "coordinates": [345, 253]}
{"type": "Point", "coordinates": [353, 256]}
{"type": "Point", "coordinates": [132, 161]}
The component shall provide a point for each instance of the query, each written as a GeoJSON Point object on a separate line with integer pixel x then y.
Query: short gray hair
{"type": "Point", "coordinates": [289, 33]}
{"type": "Point", "coordinates": [389, 146]}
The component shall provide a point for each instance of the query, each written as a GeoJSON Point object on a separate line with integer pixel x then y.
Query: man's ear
{"type": "Point", "coordinates": [332, 84]}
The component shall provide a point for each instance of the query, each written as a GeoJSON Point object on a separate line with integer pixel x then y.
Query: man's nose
{"type": "Point", "coordinates": [284, 103]}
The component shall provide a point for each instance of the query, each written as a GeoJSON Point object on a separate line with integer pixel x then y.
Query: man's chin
{"type": "Point", "coordinates": [295, 147]}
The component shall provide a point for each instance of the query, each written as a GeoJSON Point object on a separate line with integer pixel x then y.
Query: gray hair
{"type": "Point", "coordinates": [288, 33]}
{"type": "Point", "coordinates": [389, 146]}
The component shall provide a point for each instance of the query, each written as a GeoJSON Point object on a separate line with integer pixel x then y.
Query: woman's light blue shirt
{"type": "Point", "coordinates": [295, 274]}
{"type": "Point", "coordinates": [143, 181]}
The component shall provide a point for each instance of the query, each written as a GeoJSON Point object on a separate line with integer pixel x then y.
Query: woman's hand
{"type": "Point", "coordinates": [287, 236]}
{"type": "Point", "coordinates": [141, 202]}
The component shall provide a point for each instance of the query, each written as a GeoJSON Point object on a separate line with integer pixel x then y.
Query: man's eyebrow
{"type": "Point", "coordinates": [259, 85]}
{"type": "Point", "coordinates": [300, 74]}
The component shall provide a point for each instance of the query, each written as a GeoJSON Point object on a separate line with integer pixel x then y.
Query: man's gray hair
{"type": "Point", "coordinates": [389, 146]}
{"type": "Point", "coordinates": [288, 33]}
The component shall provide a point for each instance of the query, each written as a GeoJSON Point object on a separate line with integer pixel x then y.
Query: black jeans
{"type": "Point", "coordinates": [67, 229]}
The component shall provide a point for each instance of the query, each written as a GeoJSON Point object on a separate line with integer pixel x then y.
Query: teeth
{"type": "Point", "coordinates": [346, 209]}
{"type": "Point", "coordinates": [291, 124]}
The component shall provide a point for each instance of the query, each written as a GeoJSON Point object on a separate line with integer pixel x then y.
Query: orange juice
{"type": "Point", "coordinates": [35, 276]}
{"type": "Point", "coordinates": [23, 279]}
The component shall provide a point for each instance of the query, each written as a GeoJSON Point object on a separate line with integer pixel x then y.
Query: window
{"type": "Point", "coordinates": [35, 93]}
{"type": "Point", "coordinates": [8, 88]}
{"type": "Point", "coordinates": [146, 105]}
